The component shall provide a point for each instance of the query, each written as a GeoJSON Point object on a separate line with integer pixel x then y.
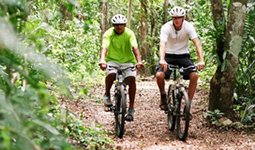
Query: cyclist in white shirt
{"type": "Point", "coordinates": [174, 49]}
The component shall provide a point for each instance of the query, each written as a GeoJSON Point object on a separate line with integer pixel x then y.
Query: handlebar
{"type": "Point", "coordinates": [181, 69]}
{"type": "Point", "coordinates": [133, 68]}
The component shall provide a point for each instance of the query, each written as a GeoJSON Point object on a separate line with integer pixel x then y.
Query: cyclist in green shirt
{"type": "Point", "coordinates": [120, 48]}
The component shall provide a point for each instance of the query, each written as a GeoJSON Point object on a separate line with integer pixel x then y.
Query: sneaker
{"type": "Point", "coordinates": [130, 115]}
{"type": "Point", "coordinates": [107, 101]}
{"type": "Point", "coordinates": [163, 103]}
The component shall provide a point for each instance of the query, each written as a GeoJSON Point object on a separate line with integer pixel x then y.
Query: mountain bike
{"type": "Point", "coordinates": [178, 103]}
{"type": "Point", "coordinates": [120, 95]}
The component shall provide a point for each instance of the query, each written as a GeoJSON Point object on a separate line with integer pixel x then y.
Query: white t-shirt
{"type": "Point", "coordinates": [177, 42]}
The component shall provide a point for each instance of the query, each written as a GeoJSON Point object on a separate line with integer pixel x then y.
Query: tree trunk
{"type": "Point", "coordinates": [104, 18]}
{"type": "Point", "coordinates": [166, 2]}
{"type": "Point", "coordinates": [219, 24]}
{"type": "Point", "coordinates": [129, 13]}
{"type": "Point", "coordinates": [187, 17]}
{"type": "Point", "coordinates": [66, 15]}
{"type": "Point", "coordinates": [144, 31]}
{"type": "Point", "coordinates": [222, 83]}
{"type": "Point", "coordinates": [153, 25]}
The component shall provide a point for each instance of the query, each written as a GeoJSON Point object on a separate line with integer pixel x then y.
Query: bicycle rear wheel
{"type": "Point", "coordinates": [183, 117]}
{"type": "Point", "coordinates": [120, 111]}
{"type": "Point", "coordinates": [171, 117]}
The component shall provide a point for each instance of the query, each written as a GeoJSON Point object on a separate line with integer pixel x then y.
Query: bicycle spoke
{"type": "Point", "coordinates": [171, 117]}
{"type": "Point", "coordinates": [183, 117]}
{"type": "Point", "coordinates": [120, 111]}
{"type": "Point", "coordinates": [177, 100]}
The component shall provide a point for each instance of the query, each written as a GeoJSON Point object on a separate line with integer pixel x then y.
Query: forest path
{"type": "Point", "coordinates": [149, 129]}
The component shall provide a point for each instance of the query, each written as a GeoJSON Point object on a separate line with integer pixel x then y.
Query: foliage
{"type": "Point", "coordinates": [213, 115]}
{"type": "Point", "coordinates": [244, 95]}
{"type": "Point", "coordinates": [78, 37]}
{"type": "Point", "coordinates": [248, 116]}
{"type": "Point", "coordinates": [92, 137]}
{"type": "Point", "coordinates": [201, 17]}
{"type": "Point", "coordinates": [24, 122]}
{"type": "Point", "coordinates": [30, 80]}
{"type": "Point", "coordinates": [245, 79]}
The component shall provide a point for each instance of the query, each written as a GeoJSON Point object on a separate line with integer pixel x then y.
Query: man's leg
{"type": "Point", "coordinates": [192, 84]}
{"type": "Point", "coordinates": [160, 76]}
{"type": "Point", "coordinates": [131, 91]}
{"type": "Point", "coordinates": [108, 84]}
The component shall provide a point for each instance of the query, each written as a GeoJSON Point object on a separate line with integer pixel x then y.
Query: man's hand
{"type": "Point", "coordinates": [163, 64]}
{"type": "Point", "coordinates": [200, 65]}
{"type": "Point", "coordinates": [102, 65]}
{"type": "Point", "coordinates": [139, 66]}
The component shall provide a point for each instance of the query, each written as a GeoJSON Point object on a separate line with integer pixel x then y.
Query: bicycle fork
{"type": "Point", "coordinates": [118, 96]}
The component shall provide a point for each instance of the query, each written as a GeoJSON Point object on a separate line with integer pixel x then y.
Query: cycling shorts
{"type": "Point", "coordinates": [127, 72]}
{"type": "Point", "coordinates": [182, 60]}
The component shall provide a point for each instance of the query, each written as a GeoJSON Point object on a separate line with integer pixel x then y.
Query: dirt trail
{"type": "Point", "coordinates": [149, 129]}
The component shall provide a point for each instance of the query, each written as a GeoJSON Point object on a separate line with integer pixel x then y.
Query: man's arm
{"type": "Point", "coordinates": [162, 54]}
{"type": "Point", "coordinates": [201, 63]}
{"type": "Point", "coordinates": [138, 58]}
{"type": "Point", "coordinates": [102, 62]}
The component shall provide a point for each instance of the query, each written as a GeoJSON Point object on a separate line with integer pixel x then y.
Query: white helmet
{"type": "Point", "coordinates": [119, 19]}
{"type": "Point", "coordinates": [177, 12]}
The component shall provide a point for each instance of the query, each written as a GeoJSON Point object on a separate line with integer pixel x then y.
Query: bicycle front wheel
{"type": "Point", "coordinates": [183, 116]}
{"type": "Point", "coordinates": [120, 110]}
{"type": "Point", "coordinates": [171, 117]}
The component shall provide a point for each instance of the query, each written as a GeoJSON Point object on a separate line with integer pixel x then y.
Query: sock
{"type": "Point", "coordinates": [131, 111]}
{"type": "Point", "coordinates": [190, 101]}
{"type": "Point", "coordinates": [163, 92]}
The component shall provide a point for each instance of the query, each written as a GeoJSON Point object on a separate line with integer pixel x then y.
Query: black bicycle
{"type": "Point", "coordinates": [120, 95]}
{"type": "Point", "coordinates": [178, 103]}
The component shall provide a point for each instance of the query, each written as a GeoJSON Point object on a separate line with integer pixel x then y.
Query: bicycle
{"type": "Point", "coordinates": [178, 103]}
{"type": "Point", "coordinates": [120, 94]}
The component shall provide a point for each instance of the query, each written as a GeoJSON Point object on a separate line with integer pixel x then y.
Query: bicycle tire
{"type": "Point", "coordinates": [183, 116]}
{"type": "Point", "coordinates": [120, 111]}
{"type": "Point", "coordinates": [171, 117]}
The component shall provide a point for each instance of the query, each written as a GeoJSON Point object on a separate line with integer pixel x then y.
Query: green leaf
{"type": "Point", "coordinates": [233, 54]}
{"type": "Point", "coordinates": [251, 107]}
{"type": "Point", "coordinates": [84, 91]}
{"type": "Point", "coordinates": [229, 64]}
{"type": "Point", "coordinates": [223, 65]}
{"type": "Point", "coordinates": [224, 54]}
{"type": "Point", "coordinates": [47, 126]}
{"type": "Point", "coordinates": [6, 137]}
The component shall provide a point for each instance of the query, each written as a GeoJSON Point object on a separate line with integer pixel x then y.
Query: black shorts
{"type": "Point", "coordinates": [182, 60]}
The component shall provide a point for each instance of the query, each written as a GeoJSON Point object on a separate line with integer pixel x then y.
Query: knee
{"type": "Point", "coordinates": [111, 76]}
{"type": "Point", "coordinates": [193, 76]}
{"type": "Point", "coordinates": [131, 81]}
{"type": "Point", "coordinates": [160, 76]}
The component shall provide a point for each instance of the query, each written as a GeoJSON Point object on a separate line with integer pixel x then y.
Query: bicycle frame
{"type": "Point", "coordinates": [179, 81]}
{"type": "Point", "coordinates": [178, 102]}
{"type": "Point", "coordinates": [120, 77]}
{"type": "Point", "coordinates": [119, 109]}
